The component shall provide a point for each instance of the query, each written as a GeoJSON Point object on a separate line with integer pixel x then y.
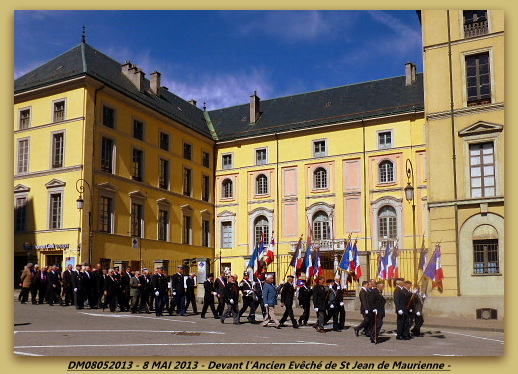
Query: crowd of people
{"type": "Point", "coordinates": [145, 292]}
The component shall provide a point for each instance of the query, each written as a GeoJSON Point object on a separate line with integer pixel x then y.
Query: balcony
{"type": "Point", "coordinates": [475, 29]}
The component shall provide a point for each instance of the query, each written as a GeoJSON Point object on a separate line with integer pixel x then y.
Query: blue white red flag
{"type": "Point", "coordinates": [357, 266]}
{"type": "Point", "coordinates": [318, 270]}
{"type": "Point", "coordinates": [393, 270]}
{"type": "Point", "coordinates": [346, 258]}
{"type": "Point", "coordinates": [434, 269]}
{"type": "Point", "coordinates": [384, 264]}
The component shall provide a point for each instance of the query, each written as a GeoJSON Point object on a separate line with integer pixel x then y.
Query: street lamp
{"type": "Point", "coordinates": [80, 187]}
{"type": "Point", "coordinates": [410, 197]}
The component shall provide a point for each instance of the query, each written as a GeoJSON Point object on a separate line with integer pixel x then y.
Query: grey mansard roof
{"type": "Point", "coordinates": [366, 100]}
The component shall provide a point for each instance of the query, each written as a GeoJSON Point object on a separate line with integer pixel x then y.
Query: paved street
{"type": "Point", "coordinates": [43, 330]}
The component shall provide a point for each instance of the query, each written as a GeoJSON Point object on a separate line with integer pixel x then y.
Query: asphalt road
{"type": "Point", "coordinates": [43, 330]}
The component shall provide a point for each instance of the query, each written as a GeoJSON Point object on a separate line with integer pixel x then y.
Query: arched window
{"type": "Point", "coordinates": [386, 171]}
{"type": "Point", "coordinates": [260, 228]}
{"type": "Point", "coordinates": [321, 227]}
{"type": "Point", "coordinates": [387, 224]}
{"type": "Point", "coordinates": [320, 178]}
{"type": "Point", "coordinates": [227, 189]}
{"type": "Point", "coordinates": [261, 185]}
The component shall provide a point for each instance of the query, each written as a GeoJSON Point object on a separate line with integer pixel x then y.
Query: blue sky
{"type": "Point", "coordinates": [222, 57]}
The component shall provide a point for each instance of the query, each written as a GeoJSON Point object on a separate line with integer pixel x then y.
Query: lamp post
{"type": "Point", "coordinates": [410, 197]}
{"type": "Point", "coordinates": [80, 187]}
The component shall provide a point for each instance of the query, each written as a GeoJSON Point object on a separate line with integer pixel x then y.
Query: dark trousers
{"type": "Point", "coordinates": [180, 305]}
{"type": "Point", "coordinates": [248, 302]}
{"type": "Point", "coordinates": [377, 322]}
{"type": "Point", "coordinates": [24, 294]}
{"type": "Point", "coordinates": [288, 313]}
{"type": "Point", "coordinates": [365, 325]}
{"type": "Point", "coordinates": [258, 303]}
{"type": "Point", "coordinates": [334, 314]}
{"type": "Point", "coordinates": [144, 299]}
{"type": "Point", "coordinates": [221, 305]}
{"type": "Point", "coordinates": [209, 303]}
{"type": "Point", "coordinates": [418, 322]}
{"type": "Point", "coordinates": [403, 325]}
{"type": "Point", "coordinates": [341, 317]}
{"type": "Point", "coordinates": [231, 309]}
{"type": "Point", "coordinates": [111, 301]}
{"type": "Point", "coordinates": [190, 299]}
{"type": "Point", "coordinates": [160, 303]}
{"type": "Point", "coordinates": [53, 295]}
{"type": "Point", "coordinates": [321, 317]}
{"type": "Point", "coordinates": [303, 319]}
{"type": "Point", "coordinates": [69, 294]}
{"type": "Point", "coordinates": [79, 298]}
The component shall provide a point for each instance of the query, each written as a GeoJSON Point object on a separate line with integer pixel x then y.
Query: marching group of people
{"type": "Point", "coordinates": [146, 292]}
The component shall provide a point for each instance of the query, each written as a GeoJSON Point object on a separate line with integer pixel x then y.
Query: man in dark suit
{"type": "Point", "coordinates": [78, 286]}
{"type": "Point", "coordinates": [178, 291]}
{"type": "Point", "coordinates": [304, 302]}
{"type": "Point", "coordinates": [160, 290]}
{"type": "Point", "coordinates": [377, 304]}
{"type": "Point", "coordinates": [219, 286]}
{"type": "Point", "coordinates": [208, 297]}
{"type": "Point", "coordinates": [401, 300]}
{"type": "Point", "coordinates": [248, 296]}
{"type": "Point", "coordinates": [231, 295]}
{"type": "Point", "coordinates": [190, 297]}
{"type": "Point", "coordinates": [258, 289]}
{"type": "Point", "coordinates": [97, 285]}
{"type": "Point", "coordinates": [90, 286]}
{"type": "Point", "coordinates": [364, 309]}
{"type": "Point", "coordinates": [319, 303]}
{"type": "Point", "coordinates": [54, 286]}
{"type": "Point", "coordinates": [125, 289]}
{"type": "Point", "coordinates": [287, 295]}
{"type": "Point", "coordinates": [68, 290]}
{"type": "Point", "coordinates": [145, 284]}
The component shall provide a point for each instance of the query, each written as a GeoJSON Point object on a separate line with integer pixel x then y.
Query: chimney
{"type": "Point", "coordinates": [135, 75]}
{"type": "Point", "coordinates": [155, 82]}
{"type": "Point", "coordinates": [192, 102]}
{"type": "Point", "coordinates": [254, 107]}
{"type": "Point", "coordinates": [409, 73]}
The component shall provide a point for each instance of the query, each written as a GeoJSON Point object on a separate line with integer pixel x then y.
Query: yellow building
{"type": "Point", "coordinates": [138, 157]}
{"type": "Point", "coordinates": [464, 85]}
{"type": "Point", "coordinates": [333, 162]}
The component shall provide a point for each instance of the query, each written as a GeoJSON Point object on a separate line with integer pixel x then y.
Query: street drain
{"type": "Point", "coordinates": [188, 333]}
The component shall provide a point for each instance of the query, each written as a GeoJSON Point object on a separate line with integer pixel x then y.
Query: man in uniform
{"type": "Point", "coordinates": [364, 310]}
{"type": "Point", "coordinates": [190, 297]}
{"type": "Point", "coordinates": [178, 291]}
{"type": "Point", "coordinates": [377, 305]}
{"type": "Point", "coordinates": [417, 315]}
{"type": "Point", "coordinates": [159, 283]}
{"type": "Point", "coordinates": [208, 297]}
{"type": "Point", "coordinates": [319, 304]}
{"type": "Point", "coordinates": [304, 297]}
{"type": "Point", "coordinates": [78, 287]}
{"type": "Point", "coordinates": [231, 295]}
{"type": "Point", "coordinates": [401, 300]}
{"type": "Point", "coordinates": [287, 295]}
{"type": "Point", "coordinates": [248, 294]}
{"type": "Point", "coordinates": [219, 286]}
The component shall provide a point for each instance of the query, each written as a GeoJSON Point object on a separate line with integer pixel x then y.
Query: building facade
{"type": "Point", "coordinates": [464, 105]}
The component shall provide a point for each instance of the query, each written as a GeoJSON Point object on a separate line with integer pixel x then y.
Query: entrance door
{"type": "Point", "coordinates": [51, 260]}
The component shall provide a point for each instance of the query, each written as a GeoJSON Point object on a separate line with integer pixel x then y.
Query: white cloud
{"type": "Point", "coordinates": [222, 90]}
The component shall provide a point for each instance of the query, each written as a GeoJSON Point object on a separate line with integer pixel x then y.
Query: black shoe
{"type": "Point", "coordinates": [295, 326]}
{"type": "Point", "coordinates": [399, 338]}
{"type": "Point", "coordinates": [202, 316]}
{"type": "Point", "coordinates": [357, 331]}
{"type": "Point", "coordinates": [282, 325]}
{"type": "Point", "coordinates": [278, 327]}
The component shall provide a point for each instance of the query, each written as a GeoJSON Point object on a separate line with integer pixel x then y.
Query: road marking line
{"type": "Point", "coordinates": [130, 316]}
{"type": "Point", "coordinates": [473, 336]}
{"type": "Point", "coordinates": [157, 344]}
{"type": "Point", "coordinates": [111, 331]}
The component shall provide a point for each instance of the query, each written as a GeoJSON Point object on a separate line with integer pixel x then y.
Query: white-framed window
{"type": "Point", "coordinates": [227, 234]}
{"type": "Point", "coordinates": [320, 148]}
{"type": "Point", "coordinates": [58, 150]}
{"type": "Point", "coordinates": [55, 210]}
{"type": "Point", "coordinates": [24, 118]}
{"type": "Point", "coordinates": [261, 185]}
{"type": "Point", "coordinates": [485, 256]}
{"type": "Point", "coordinates": [385, 139]}
{"type": "Point", "coordinates": [58, 110]}
{"type": "Point", "coordinates": [261, 156]}
{"type": "Point", "coordinates": [321, 226]}
{"type": "Point", "coordinates": [482, 169]}
{"type": "Point", "coordinates": [261, 230]}
{"type": "Point", "coordinates": [106, 213]}
{"type": "Point", "coordinates": [475, 23]}
{"type": "Point", "coordinates": [386, 171]}
{"type": "Point", "coordinates": [163, 225]}
{"type": "Point", "coordinates": [23, 156]}
{"type": "Point", "coordinates": [226, 161]}
{"type": "Point", "coordinates": [107, 155]}
{"type": "Point", "coordinates": [478, 79]}
{"type": "Point", "coordinates": [227, 189]}
{"type": "Point", "coordinates": [387, 224]}
{"type": "Point", "coordinates": [320, 178]}
{"type": "Point", "coordinates": [108, 117]}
